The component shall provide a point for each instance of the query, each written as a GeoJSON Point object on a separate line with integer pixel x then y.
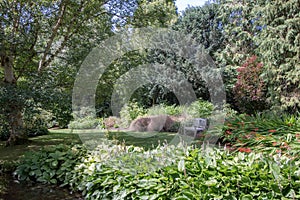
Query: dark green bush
{"type": "Point", "coordinates": [4, 128]}
{"type": "Point", "coordinates": [35, 124]}
{"type": "Point", "coordinates": [50, 165]}
{"type": "Point", "coordinates": [175, 127]}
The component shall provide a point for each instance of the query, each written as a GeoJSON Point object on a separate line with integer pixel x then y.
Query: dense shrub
{"type": "Point", "coordinates": [4, 128]}
{"type": "Point", "coordinates": [88, 122]}
{"type": "Point", "coordinates": [200, 108]}
{"type": "Point", "coordinates": [250, 88]}
{"type": "Point", "coordinates": [34, 120]}
{"type": "Point", "coordinates": [129, 112]}
{"type": "Point", "coordinates": [165, 110]}
{"type": "Point", "coordinates": [175, 127]}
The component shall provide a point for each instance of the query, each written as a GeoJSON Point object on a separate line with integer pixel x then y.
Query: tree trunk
{"type": "Point", "coordinates": [17, 134]}
{"type": "Point", "coordinates": [14, 115]}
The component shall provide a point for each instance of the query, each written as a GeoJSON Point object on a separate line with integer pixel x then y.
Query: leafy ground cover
{"type": "Point", "coordinates": [61, 140]}
{"type": "Point", "coordinates": [9, 160]}
{"type": "Point", "coordinates": [269, 133]}
{"type": "Point", "coordinates": [166, 172]}
{"type": "Point", "coordinates": [249, 166]}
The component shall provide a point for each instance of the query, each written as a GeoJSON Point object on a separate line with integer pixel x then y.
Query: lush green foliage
{"type": "Point", "coordinates": [131, 111]}
{"type": "Point", "coordinates": [279, 49]}
{"type": "Point", "coordinates": [264, 132]}
{"type": "Point", "coordinates": [4, 128]}
{"type": "Point", "coordinates": [34, 119]}
{"type": "Point", "coordinates": [260, 159]}
{"type": "Point", "coordinates": [229, 31]}
{"type": "Point", "coordinates": [163, 109]}
{"type": "Point", "coordinates": [155, 13]}
{"type": "Point", "coordinates": [200, 108]}
{"type": "Point", "coordinates": [88, 122]}
{"type": "Point", "coordinates": [220, 175]}
{"type": "Point", "coordinates": [203, 24]}
{"type": "Point", "coordinates": [270, 30]}
{"type": "Point", "coordinates": [35, 36]}
{"type": "Point", "coordinates": [120, 172]}
{"type": "Point", "coordinates": [50, 165]}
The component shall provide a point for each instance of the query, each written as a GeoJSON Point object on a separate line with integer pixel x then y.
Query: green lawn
{"type": "Point", "coordinates": [35, 143]}
{"type": "Point", "coordinates": [67, 136]}
{"type": "Point", "coordinates": [140, 139]}
{"type": "Point", "coordinates": [146, 140]}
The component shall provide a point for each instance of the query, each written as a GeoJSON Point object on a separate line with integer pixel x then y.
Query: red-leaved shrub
{"type": "Point", "coordinates": [250, 88]}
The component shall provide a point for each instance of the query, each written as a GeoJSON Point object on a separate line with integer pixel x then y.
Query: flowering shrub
{"type": "Point", "coordinates": [250, 89]}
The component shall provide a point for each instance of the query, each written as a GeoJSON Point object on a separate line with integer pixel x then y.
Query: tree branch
{"type": "Point", "coordinates": [54, 33]}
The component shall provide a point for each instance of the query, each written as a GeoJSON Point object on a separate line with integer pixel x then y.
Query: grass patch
{"type": "Point", "coordinates": [12, 153]}
{"type": "Point", "coordinates": [68, 136]}
{"type": "Point", "coordinates": [147, 140]}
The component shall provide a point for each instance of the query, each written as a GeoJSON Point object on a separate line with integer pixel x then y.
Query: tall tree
{"type": "Point", "coordinates": [270, 30]}
{"type": "Point", "coordinates": [33, 35]}
{"type": "Point", "coordinates": [146, 13]}
{"type": "Point", "coordinates": [279, 48]}
{"type": "Point", "coordinates": [239, 24]}
{"type": "Point", "coordinates": [154, 13]}
{"type": "Point", "coordinates": [203, 23]}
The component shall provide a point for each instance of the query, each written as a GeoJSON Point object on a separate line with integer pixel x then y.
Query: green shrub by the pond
{"type": "Point", "coordinates": [167, 172]}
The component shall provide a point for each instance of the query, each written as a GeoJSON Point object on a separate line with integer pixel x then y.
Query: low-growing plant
{"type": "Point", "coordinates": [163, 109]}
{"type": "Point", "coordinates": [53, 164]}
{"type": "Point", "coordinates": [264, 131]}
{"type": "Point", "coordinates": [200, 108]}
{"type": "Point", "coordinates": [168, 172]}
{"type": "Point", "coordinates": [88, 122]}
{"type": "Point", "coordinates": [219, 175]}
